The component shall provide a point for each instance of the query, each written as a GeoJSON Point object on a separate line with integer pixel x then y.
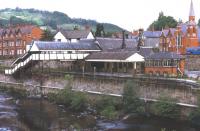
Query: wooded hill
{"type": "Point", "coordinates": [53, 20]}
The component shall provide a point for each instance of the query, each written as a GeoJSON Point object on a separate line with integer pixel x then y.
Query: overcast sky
{"type": "Point", "coordinates": [129, 14]}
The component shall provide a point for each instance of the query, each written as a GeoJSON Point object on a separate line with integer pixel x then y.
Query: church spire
{"type": "Point", "coordinates": [191, 15]}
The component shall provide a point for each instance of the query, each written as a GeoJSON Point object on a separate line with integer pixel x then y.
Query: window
{"type": "Point", "coordinates": [12, 52]}
{"type": "Point", "coordinates": [20, 51]}
{"type": "Point", "coordinates": [18, 42]}
{"type": "Point", "coordinates": [164, 62]}
{"type": "Point", "coordinates": [159, 63]}
{"type": "Point", "coordinates": [178, 40]}
{"type": "Point", "coordinates": [5, 52]}
{"type": "Point", "coordinates": [59, 40]}
{"type": "Point", "coordinates": [11, 43]}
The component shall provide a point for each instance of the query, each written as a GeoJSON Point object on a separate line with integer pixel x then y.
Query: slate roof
{"type": "Point", "coordinates": [165, 55]}
{"type": "Point", "coordinates": [152, 34]}
{"type": "Point", "coordinates": [111, 55]}
{"type": "Point", "coordinates": [66, 46]}
{"type": "Point", "coordinates": [151, 42]}
{"type": "Point", "coordinates": [75, 34]}
{"type": "Point", "coordinates": [26, 29]}
{"type": "Point", "coordinates": [114, 43]}
{"type": "Point", "coordinates": [146, 52]}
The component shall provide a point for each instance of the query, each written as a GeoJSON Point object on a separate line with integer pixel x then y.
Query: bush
{"type": "Point", "coordinates": [104, 102]}
{"type": "Point", "coordinates": [166, 107]}
{"type": "Point", "coordinates": [64, 96]}
{"type": "Point", "coordinates": [131, 102]}
{"type": "Point", "coordinates": [78, 101]}
{"type": "Point", "coordinates": [107, 107]}
{"type": "Point", "coordinates": [109, 112]}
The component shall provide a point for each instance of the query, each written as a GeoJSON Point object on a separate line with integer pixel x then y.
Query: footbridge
{"type": "Point", "coordinates": [41, 51]}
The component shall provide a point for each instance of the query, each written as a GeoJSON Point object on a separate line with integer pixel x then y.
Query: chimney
{"type": "Point", "coordinates": [140, 39]}
{"type": "Point", "coordinates": [123, 40]}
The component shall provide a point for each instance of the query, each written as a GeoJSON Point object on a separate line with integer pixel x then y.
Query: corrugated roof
{"type": "Point", "coordinates": [66, 46]}
{"type": "Point", "coordinates": [165, 55]}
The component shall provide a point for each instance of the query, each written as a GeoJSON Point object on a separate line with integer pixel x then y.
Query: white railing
{"type": "Point", "coordinates": [39, 56]}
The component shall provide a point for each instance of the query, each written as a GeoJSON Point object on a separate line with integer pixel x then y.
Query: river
{"type": "Point", "coordinates": [41, 115]}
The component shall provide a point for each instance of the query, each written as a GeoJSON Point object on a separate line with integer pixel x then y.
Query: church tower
{"type": "Point", "coordinates": [192, 31]}
{"type": "Point", "coordinates": [191, 14]}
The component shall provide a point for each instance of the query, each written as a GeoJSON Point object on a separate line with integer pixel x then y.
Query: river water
{"type": "Point", "coordinates": [40, 115]}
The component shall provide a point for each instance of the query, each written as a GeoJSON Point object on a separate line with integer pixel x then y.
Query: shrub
{"type": "Point", "coordinates": [131, 102]}
{"type": "Point", "coordinates": [109, 112]}
{"type": "Point", "coordinates": [78, 101]}
{"type": "Point", "coordinates": [107, 107]}
{"type": "Point", "coordinates": [166, 107]}
{"type": "Point", "coordinates": [104, 102]}
{"type": "Point", "coordinates": [64, 96]}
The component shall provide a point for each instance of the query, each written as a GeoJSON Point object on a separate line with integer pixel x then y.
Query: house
{"type": "Point", "coordinates": [73, 35]}
{"type": "Point", "coordinates": [13, 40]}
{"type": "Point", "coordinates": [165, 63]}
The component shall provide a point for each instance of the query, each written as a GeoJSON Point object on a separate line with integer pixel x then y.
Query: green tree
{"type": "Point", "coordinates": [47, 36]}
{"type": "Point", "coordinates": [100, 30]}
{"type": "Point", "coordinates": [166, 107]}
{"type": "Point", "coordinates": [131, 101]}
{"type": "Point", "coordinates": [163, 22]}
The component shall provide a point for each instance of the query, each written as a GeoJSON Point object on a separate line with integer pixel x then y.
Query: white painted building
{"type": "Point", "coordinates": [73, 35]}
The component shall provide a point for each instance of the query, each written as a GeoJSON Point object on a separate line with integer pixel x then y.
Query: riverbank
{"type": "Point", "coordinates": [100, 104]}
{"type": "Point", "coordinates": [40, 114]}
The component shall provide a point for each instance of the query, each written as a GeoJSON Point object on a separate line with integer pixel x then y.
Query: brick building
{"type": "Point", "coordinates": [165, 63]}
{"type": "Point", "coordinates": [184, 36]}
{"type": "Point", "coordinates": [13, 40]}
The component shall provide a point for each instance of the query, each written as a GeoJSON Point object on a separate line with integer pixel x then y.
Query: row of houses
{"type": "Point", "coordinates": [13, 40]}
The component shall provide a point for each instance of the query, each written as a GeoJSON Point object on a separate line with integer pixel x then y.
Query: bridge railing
{"type": "Point", "coordinates": [47, 56]}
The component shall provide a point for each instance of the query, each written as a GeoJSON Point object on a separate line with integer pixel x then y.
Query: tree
{"type": "Point", "coordinates": [131, 101]}
{"type": "Point", "coordinates": [163, 22]}
{"type": "Point", "coordinates": [47, 36]}
{"type": "Point", "coordinates": [99, 30]}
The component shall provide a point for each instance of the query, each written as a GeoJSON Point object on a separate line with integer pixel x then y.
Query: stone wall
{"type": "Point", "coordinates": [147, 88]}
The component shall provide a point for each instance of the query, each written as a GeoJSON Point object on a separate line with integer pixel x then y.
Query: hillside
{"type": "Point", "coordinates": [51, 19]}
